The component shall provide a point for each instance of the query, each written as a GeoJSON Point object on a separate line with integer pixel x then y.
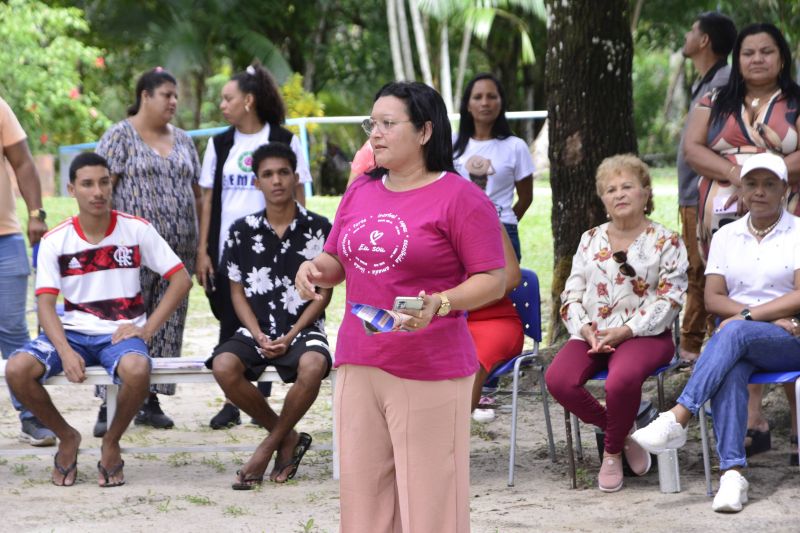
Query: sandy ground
{"type": "Point", "coordinates": [191, 492]}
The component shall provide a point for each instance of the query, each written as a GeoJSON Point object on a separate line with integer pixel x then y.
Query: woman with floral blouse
{"type": "Point", "coordinates": [626, 287]}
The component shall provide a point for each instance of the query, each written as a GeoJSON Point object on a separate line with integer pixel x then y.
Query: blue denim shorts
{"type": "Point", "coordinates": [95, 350]}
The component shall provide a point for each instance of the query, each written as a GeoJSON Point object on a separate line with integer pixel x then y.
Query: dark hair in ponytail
{"type": "Point", "coordinates": [257, 80]}
{"type": "Point", "coordinates": [150, 81]}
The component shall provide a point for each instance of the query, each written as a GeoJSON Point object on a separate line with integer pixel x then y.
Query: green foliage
{"type": "Point", "coordinates": [299, 102]}
{"type": "Point", "coordinates": [655, 132]}
{"type": "Point", "coordinates": [46, 63]}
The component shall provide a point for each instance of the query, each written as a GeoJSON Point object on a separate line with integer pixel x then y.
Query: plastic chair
{"type": "Point", "coordinates": [571, 421]}
{"type": "Point", "coordinates": [526, 300]}
{"type": "Point", "coordinates": [756, 378]}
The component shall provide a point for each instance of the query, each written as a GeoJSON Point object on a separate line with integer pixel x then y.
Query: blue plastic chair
{"type": "Point", "coordinates": [527, 302]}
{"type": "Point", "coordinates": [758, 378]}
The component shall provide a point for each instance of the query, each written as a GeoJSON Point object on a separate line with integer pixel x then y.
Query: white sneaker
{"type": "Point", "coordinates": [663, 433]}
{"type": "Point", "coordinates": [732, 493]}
{"type": "Point", "coordinates": [483, 415]}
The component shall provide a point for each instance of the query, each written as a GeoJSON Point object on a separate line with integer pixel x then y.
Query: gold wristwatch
{"type": "Point", "coordinates": [444, 309]}
{"type": "Point", "coordinates": [38, 213]}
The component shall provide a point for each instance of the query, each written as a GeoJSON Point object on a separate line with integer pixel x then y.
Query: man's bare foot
{"type": "Point", "coordinates": [65, 463]}
{"type": "Point", "coordinates": [110, 465]}
{"type": "Point", "coordinates": [252, 472]}
{"type": "Point", "coordinates": [285, 470]}
{"type": "Point", "coordinates": [284, 458]}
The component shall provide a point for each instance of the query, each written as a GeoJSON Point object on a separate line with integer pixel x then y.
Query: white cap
{"type": "Point", "coordinates": [767, 161]}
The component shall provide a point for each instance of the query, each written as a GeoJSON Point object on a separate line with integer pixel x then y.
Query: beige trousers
{"type": "Point", "coordinates": [404, 448]}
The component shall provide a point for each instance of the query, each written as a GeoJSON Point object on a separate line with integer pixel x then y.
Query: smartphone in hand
{"type": "Point", "coordinates": [407, 303]}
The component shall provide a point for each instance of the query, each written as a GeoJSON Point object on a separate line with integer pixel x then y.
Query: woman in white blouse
{"type": "Point", "coordinates": [626, 287]}
{"type": "Point", "coordinates": [753, 280]}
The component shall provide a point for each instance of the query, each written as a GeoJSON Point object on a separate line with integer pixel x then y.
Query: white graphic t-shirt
{"type": "Point", "coordinates": [495, 166]}
{"type": "Point", "coordinates": [100, 282]}
{"type": "Point", "coordinates": [240, 196]}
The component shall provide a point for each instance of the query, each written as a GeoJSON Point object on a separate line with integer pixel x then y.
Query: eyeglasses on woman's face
{"type": "Point", "coordinates": [370, 125]}
{"type": "Point", "coordinates": [621, 257]}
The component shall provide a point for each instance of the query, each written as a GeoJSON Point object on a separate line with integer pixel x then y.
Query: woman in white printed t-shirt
{"type": "Point", "coordinates": [488, 153]}
{"type": "Point", "coordinates": [252, 104]}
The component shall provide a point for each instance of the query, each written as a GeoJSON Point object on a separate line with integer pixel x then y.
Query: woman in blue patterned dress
{"type": "Point", "coordinates": [155, 168]}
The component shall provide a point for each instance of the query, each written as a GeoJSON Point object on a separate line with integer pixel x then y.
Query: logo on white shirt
{"type": "Point", "coordinates": [122, 255]}
{"type": "Point", "coordinates": [74, 263]}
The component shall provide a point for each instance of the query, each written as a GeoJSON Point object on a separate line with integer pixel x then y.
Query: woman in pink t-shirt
{"type": "Point", "coordinates": [403, 398]}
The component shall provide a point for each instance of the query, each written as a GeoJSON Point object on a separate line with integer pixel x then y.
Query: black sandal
{"type": "Point", "coordinates": [303, 444]}
{"type": "Point", "coordinates": [65, 472]}
{"type": "Point", "coordinates": [110, 473]}
{"type": "Point", "coordinates": [247, 483]}
{"type": "Point", "coordinates": [760, 442]}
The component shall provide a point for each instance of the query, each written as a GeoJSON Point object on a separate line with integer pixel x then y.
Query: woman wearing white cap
{"type": "Point", "coordinates": [759, 297]}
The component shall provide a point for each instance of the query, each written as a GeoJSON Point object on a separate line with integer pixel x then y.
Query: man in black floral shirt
{"type": "Point", "coordinates": [261, 256]}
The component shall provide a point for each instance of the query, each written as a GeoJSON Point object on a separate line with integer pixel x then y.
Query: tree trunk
{"type": "Point", "coordinates": [405, 41]}
{"type": "Point", "coordinates": [445, 83]}
{"type": "Point", "coordinates": [590, 107]}
{"type": "Point", "coordinates": [463, 53]}
{"type": "Point", "coordinates": [394, 39]}
{"type": "Point", "coordinates": [421, 42]}
{"type": "Point", "coordinates": [637, 11]}
{"type": "Point", "coordinates": [199, 91]}
{"type": "Point", "coordinates": [310, 59]}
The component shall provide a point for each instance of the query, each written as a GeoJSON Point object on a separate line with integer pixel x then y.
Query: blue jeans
{"type": "Point", "coordinates": [14, 272]}
{"type": "Point", "coordinates": [722, 372]}
{"type": "Point", "coordinates": [94, 349]}
{"type": "Point", "coordinates": [513, 235]}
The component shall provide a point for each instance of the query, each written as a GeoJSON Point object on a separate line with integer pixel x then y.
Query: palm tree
{"type": "Point", "coordinates": [476, 18]}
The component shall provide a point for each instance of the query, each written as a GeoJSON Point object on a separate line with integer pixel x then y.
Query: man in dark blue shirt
{"type": "Point", "coordinates": [260, 258]}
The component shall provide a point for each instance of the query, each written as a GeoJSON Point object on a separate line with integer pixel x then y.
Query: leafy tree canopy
{"type": "Point", "coordinates": [46, 63]}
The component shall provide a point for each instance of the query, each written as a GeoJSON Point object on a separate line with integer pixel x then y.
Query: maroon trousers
{"type": "Point", "coordinates": [632, 362]}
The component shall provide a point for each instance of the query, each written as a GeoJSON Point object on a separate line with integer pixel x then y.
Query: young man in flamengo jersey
{"type": "Point", "coordinates": [261, 256]}
{"type": "Point", "coordinates": [93, 259]}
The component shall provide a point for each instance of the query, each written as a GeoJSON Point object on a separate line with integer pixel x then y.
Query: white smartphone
{"type": "Point", "coordinates": [407, 303]}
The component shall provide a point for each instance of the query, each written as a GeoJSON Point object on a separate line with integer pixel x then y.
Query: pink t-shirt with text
{"type": "Point", "coordinates": [398, 243]}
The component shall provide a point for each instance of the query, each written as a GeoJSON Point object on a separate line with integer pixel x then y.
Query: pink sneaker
{"type": "Point", "coordinates": [638, 458]}
{"type": "Point", "coordinates": [610, 477]}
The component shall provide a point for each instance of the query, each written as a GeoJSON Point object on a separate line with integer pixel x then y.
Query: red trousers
{"type": "Point", "coordinates": [632, 362]}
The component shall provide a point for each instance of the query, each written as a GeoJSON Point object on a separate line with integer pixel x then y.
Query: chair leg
{"type": "Point", "coordinates": [513, 445]}
{"type": "Point", "coordinates": [797, 408]}
{"type": "Point", "coordinates": [576, 429]}
{"type": "Point", "coordinates": [661, 402]}
{"type": "Point", "coordinates": [706, 448]}
{"type": "Point", "coordinates": [570, 451]}
{"type": "Point", "coordinates": [550, 440]}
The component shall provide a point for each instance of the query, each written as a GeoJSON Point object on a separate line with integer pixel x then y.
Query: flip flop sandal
{"type": "Point", "coordinates": [110, 473]}
{"type": "Point", "coordinates": [65, 472]}
{"type": "Point", "coordinates": [303, 444]}
{"type": "Point", "coordinates": [248, 483]}
{"type": "Point", "coordinates": [760, 441]}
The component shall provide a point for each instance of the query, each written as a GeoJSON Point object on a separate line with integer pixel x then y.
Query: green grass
{"type": "Point", "coordinates": [535, 234]}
